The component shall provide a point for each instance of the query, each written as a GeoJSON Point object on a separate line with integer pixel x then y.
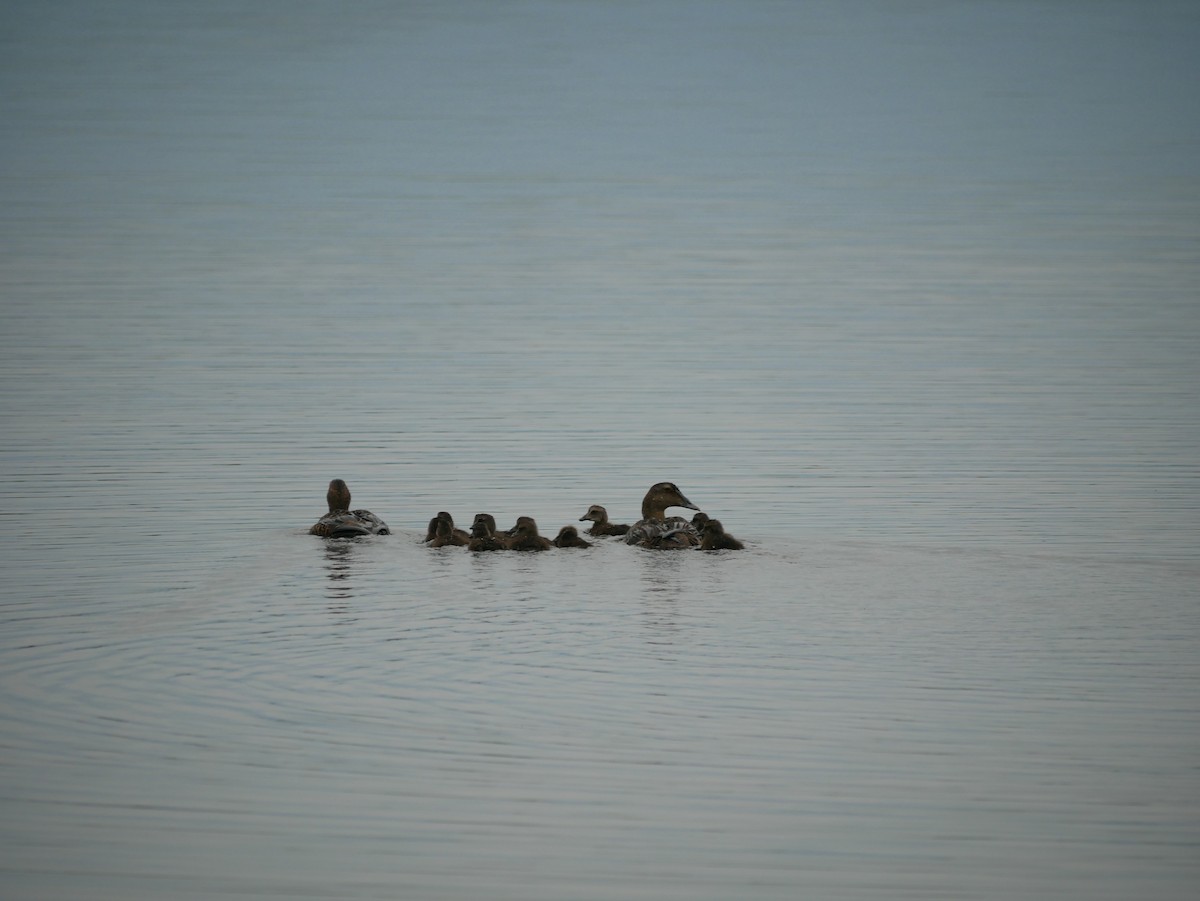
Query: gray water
{"type": "Point", "coordinates": [905, 293]}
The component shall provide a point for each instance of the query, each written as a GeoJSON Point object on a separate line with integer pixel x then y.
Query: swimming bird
{"type": "Point", "coordinates": [489, 523]}
{"type": "Point", "coordinates": [600, 524]}
{"type": "Point", "coordinates": [568, 536]}
{"type": "Point", "coordinates": [431, 530]}
{"type": "Point", "coordinates": [655, 529]}
{"type": "Point", "coordinates": [445, 535]}
{"type": "Point", "coordinates": [713, 537]}
{"type": "Point", "coordinates": [460, 536]}
{"type": "Point", "coordinates": [483, 535]}
{"type": "Point", "coordinates": [525, 536]}
{"type": "Point", "coordinates": [341, 521]}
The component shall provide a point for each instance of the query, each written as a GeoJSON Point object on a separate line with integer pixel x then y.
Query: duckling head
{"type": "Point", "coordinates": [595, 513]}
{"type": "Point", "coordinates": [525, 526]}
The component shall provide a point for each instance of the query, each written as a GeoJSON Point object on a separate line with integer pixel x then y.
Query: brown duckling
{"type": "Point", "coordinates": [600, 524]}
{"type": "Point", "coordinates": [655, 529]}
{"type": "Point", "coordinates": [341, 521]}
{"type": "Point", "coordinates": [715, 538]}
{"type": "Point", "coordinates": [445, 535]}
{"type": "Point", "coordinates": [461, 537]}
{"type": "Point", "coordinates": [568, 536]}
{"type": "Point", "coordinates": [483, 535]}
{"type": "Point", "coordinates": [487, 519]}
{"type": "Point", "coordinates": [525, 536]}
{"type": "Point", "coordinates": [699, 521]}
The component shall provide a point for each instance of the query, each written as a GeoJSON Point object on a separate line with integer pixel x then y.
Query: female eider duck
{"type": "Point", "coordinates": [655, 529]}
{"type": "Point", "coordinates": [600, 524]}
{"type": "Point", "coordinates": [341, 521]}
{"type": "Point", "coordinates": [713, 537]}
{"type": "Point", "coordinates": [525, 536]}
{"type": "Point", "coordinates": [568, 536]}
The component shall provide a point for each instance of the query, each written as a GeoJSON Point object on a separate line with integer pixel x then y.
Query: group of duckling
{"type": "Point", "coordinates": [654, 530]}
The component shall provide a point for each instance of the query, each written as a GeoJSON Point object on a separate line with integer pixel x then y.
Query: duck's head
{"type": "Point", "coordinates": [488, 521]}
{"type": "Point", "coordinates": [712, 527]}
{"type": "Point", "coordinates": [595, 513]}
{"type": "Point", "coordinates": [525, 526]}
{"type": "Point", "coordinates": [662, 496]}
{"type": "Point", "coordinates": [568, 533]}
{"type": "Point", "coordinates": [338, 496]}
{"type": "Point", "coordinates": [700, 520]}
{"type": "Point", "coordinates": [479, 528]}
{"type": "Point", "coordinates": [446, 517]}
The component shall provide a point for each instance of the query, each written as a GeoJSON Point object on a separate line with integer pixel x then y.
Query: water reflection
{"type": "Point", "coordinates": [661, 573]}
{"type": "Point", "coordinates": [339, 568]}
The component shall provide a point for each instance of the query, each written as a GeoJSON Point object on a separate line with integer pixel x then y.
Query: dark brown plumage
{"type": "Point", "coordinates": [598, 516]}
{"type": "Point", "coordinates": [568, 536]}
{"type": "Point", "coordinates": [341, 521]}
{"type": "Point", "coordinates": [715, 538]}
{"type": "Point", "coordinates": [525, 536]}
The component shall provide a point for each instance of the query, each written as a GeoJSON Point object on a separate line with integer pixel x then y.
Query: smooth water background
{"type": "Point", "coordinates": [906, 293]}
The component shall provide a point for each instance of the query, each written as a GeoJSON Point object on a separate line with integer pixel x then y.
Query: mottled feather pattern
{"type": "Point", "coordinates": [655, 531]}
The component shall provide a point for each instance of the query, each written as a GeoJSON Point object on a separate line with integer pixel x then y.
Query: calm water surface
{"type": "Point", "coordinates": [906, 294]}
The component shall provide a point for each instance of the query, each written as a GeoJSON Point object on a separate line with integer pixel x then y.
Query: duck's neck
{"type": "Point", "coordinates": [338, 500]}
{"type": "Point", "coordinates": [653, 507]}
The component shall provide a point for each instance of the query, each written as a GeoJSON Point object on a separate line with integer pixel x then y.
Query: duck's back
{"type": "Point", "coordinates": [349, 524]}
{"type": "Point", "coordinates": [672, 532]}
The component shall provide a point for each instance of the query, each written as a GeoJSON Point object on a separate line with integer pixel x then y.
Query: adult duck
{"type": "Point", "coordinates": [341, 521]}
{"type": "Point", "coordinates": [655, 529]}
{"type": "Point", "coordinates": [598, 517]}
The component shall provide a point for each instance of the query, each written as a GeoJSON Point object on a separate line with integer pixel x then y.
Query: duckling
{"type": "Point", "coordinates": [699, 521]}
{"type": "Point", "coordinates": [487, 519]}
{"type": "Point", "coordinates": [341, 521]}
{"type": "Point", "coordinates": [483, 537]}
{"type": "Point", "coordinates": [460, 536]}
{"type": "Point", "coordinates": [431, 530]}
{"type": "Point", "coordinates": [525, 536]}
{"type": "Point", "coordinates": [568, 536]}
{"type": "Point", "coordinates": [715, 538]}
{"type": "Point", "coordinates": [655, 529]}
{"type": "Point", "coordinates": [445, 533]}
{"type": "Point", "coordinates": [600, 524]}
